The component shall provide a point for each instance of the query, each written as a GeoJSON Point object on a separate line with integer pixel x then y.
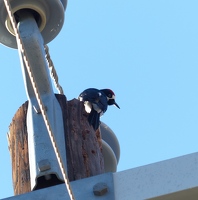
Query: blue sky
{"type": "Point", "coordinates": [146, 52]}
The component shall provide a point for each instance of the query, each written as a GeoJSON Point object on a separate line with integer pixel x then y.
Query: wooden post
{"type": "Point", "coordinates": [83, 145]}
{"type": "Point", "coordinates": [18, 146]}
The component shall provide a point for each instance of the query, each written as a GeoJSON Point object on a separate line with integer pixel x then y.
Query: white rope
{"type": "Point", "coordinates": [52, 69]}
{"type": "Point", "coordinates": [38, 97]}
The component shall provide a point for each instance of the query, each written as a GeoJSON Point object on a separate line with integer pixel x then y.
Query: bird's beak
{"type": "Point", "coordinates": [116, 105]}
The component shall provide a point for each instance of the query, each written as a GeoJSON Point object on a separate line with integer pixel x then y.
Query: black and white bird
{"type": "Point", "coordinates": [96, 103]}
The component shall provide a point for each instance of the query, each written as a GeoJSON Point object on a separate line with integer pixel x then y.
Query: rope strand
{"type": "Point", "coordinates": [52, 69]}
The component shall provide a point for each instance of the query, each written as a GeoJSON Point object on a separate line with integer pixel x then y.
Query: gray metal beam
{"type": "Point", "coordinates": [170, 179]}
{"type": "Point", "coordinates": [83, 190]}
{"type": "Point", "coordinates": [173, 179]}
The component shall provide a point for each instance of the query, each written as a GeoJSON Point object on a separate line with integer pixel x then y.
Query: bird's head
{"type": "Point", "coordinates": [110, 97]}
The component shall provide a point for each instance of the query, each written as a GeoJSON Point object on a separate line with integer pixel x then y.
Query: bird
{"type": "Point", "coordinates": [96, 102]}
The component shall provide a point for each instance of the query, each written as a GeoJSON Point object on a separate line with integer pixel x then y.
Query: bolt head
{"type": "Point", "coordinates": [44, 165]}
{"type": "Point", "coordinates": [100, 189]}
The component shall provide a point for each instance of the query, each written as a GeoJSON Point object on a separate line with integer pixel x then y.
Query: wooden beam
{"type": "Point", "coordinates": [18, 146]}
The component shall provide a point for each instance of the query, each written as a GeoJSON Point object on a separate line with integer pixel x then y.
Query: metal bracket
{"type": "Point", "coordinates": [39, 143]}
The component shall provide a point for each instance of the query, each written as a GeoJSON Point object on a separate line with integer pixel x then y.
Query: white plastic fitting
{"type": "Point", "coordinates": [49, 15]}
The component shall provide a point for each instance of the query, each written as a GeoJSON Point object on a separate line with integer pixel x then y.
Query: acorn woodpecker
{"type": "Point", "coordinates": [96, 103]}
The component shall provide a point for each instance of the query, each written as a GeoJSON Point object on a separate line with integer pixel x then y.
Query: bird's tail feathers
{"type": "Point", "coordinates": [94, 119]}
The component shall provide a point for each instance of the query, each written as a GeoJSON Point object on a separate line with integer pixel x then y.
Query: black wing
{"type": "Point", "coordinates": [95, 96]}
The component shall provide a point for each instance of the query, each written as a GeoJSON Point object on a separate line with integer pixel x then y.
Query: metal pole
{"type": "Point", "coordinates": [42, 158]}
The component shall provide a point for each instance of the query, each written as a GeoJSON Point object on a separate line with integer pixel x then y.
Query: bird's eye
{"type": "Point", "coordinates": [109, 95]}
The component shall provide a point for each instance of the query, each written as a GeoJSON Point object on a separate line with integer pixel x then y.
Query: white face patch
{"type": "Point", "coordinates": [113, 97]}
